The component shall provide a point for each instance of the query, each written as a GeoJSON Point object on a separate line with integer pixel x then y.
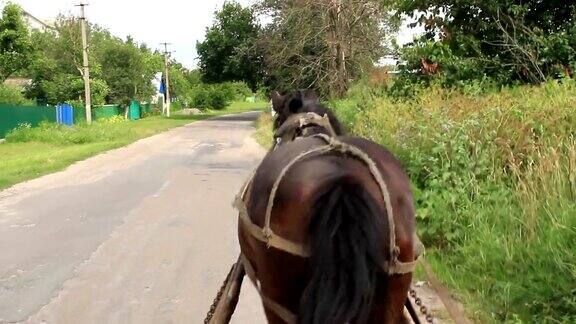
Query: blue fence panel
{"type": "Point", "coordinates": [65, 114]}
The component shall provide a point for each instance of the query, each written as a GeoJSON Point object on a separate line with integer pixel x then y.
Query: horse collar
{"type": "Point", "coordinates": [288, 130]}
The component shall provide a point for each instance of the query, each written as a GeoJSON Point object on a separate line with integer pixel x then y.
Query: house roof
{"type": "Point", "coordinates": [37, 20]}
{"type": "Point", "coordinates": [17, 82]}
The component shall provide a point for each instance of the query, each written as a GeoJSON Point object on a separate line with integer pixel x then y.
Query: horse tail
{"type": "Point", "coordinates": [346, 255]}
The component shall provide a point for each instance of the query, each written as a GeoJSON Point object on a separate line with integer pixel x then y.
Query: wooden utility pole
{"type": "Point", "coordinates": [167, 78]}
{"type": "Point", "coordinates": [86, 73]}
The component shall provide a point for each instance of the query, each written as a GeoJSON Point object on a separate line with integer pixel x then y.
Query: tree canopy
{"type": "Point", "coordinates": [120, 70]}
{"type": "Point", "coordinates": [229, 53]}
{"type": "Point", "coordinates": [528, 40]}
{"type": "Point", "coordinates": [125, 72]}
{"type": "Point", "coordinates": [15, 44]}
{"type": "Point", "coordinates": [324, 44]}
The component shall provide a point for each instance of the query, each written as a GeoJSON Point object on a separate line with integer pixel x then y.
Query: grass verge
{"type": "Point", "coordinates": [32, 152]}
{"type": "Point", "coordinates": [495, 187]}
{"type": "Point", "coordinates": [264, 135]}
{"type": "Point", "coordinates": [494, 178]}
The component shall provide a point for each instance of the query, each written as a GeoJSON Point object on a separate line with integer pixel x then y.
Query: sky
{"type": "Point", "coordinates": [179, 22]}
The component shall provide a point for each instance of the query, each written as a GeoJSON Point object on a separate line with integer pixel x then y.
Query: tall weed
{"type": "Point", "coordinates": [495, 183]}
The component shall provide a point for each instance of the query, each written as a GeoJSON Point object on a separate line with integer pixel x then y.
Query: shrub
{"type": "Point", "coordinates": [218, 99]}
{"type": "Point", "coordinates": [215, 96]}
{"type": "Point", "coordinates": [495, 186]}
{"type": "Point", "coordinates": [12, 95]}
{"type": "Point", "coordinates": [67, 88]}
{"type": "Point", "coordinates": [235, 91]}
{"type": "Point", "coordinates": [176, 105]}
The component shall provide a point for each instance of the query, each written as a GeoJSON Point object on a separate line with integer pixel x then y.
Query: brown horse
{"type": "Point", "coordinates": [327, 227]}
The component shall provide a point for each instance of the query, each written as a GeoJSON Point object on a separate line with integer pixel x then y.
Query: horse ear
{"type": "Point", "coordinates": [277, 101]}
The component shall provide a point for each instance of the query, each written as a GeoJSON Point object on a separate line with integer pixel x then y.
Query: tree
{"type": "Point", "coordinates": [229, 53]}
{"type": "Point", "coordinates": [324, 44]}
{"type": "Point", "coordinates": [509, 40]}
{"type": "Point", "coordinates": [56, 66]}
{"type": "Point", "coordinates": [124, 70]}
{"type": "Point", "coordinates": [15, 45]}
{"type": "Point", "coordinates": [120, 70]}
{"type": "Point", "coordinates": [180, 85]}
{"type": "Point", "coordinates": [12, 95]}
{"type": "Point", "coordinates": [194, 77]}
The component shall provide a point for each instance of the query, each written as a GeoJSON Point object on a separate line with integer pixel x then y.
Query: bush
{"type": "Point", "coordinates": [67, 88]}
{"type": "Point", "coordinates": [235, 91]}
{"type": "Point", "coordinates": [218, 100]}
{"type": "Point", "coordinates": [495, 187]}
{"type": "Point", "coordinates": [505, 41]}
{"type": "Point", "coordinates": [452, 69]}
{"type": "Point", "coordinates": [13, 96]}
{"type": "Point", "coordinates": [263, 94]}
{"type": "Point", "coordinates": [176, 105]}
{"type": "Point", "coordinates": [218, 96]}
{"type": "Point", "coordinates": [215, 96]}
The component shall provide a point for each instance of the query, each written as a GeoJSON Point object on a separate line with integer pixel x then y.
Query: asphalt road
{"type": "Point", "coordinates": [142, 234]}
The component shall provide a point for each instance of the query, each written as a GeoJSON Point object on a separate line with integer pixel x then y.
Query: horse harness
{"type": "Point", "coordinates": [266, 234]}
{"type": "Point", "coordinates": [301, 123]}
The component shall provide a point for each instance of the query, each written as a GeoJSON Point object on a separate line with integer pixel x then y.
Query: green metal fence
{"type": "Point", "coordinates": [134, 110]}
{"type": "Point", "coordinates": [79, 115]}
{"type": "Point", "coordinates": [11, 116]}
{"type": "Point", "coordinates": [145, 109]}
{"type": "Point", "coordinates": [99, 112]}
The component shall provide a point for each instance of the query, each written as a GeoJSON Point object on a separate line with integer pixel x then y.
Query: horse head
{"type": "Point", "coordinates": [300, 114]}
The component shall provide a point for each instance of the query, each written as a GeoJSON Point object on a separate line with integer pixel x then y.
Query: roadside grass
{"type": "Point", "coordinates": [263, 134]}
{"type": "Point", "coordinates": [494, 178]}
{"type": "Point", "coordinates": [32, 152]}
{"type": "Point", "coordinates": [495, 187]}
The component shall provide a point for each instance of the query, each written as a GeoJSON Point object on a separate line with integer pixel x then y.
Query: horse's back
{"type": "Point", "coordinates": [284, 276]}
{"type": "Point", "coordinates": [310, 176]}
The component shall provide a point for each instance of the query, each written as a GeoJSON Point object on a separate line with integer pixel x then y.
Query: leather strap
{"type": "Point", "coordinates": [281, 311]}
{"type": "Point", "coordinates": [270, 238]}
{"type": "Point", "coordinates": [400, 267]}
{"type": "Point", "coordinates": [267, 235]}
{"type": "Point", "coordinates": [304, 119]}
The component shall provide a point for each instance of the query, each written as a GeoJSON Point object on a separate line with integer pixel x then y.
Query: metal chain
{"type": "Point", "coordinates": [216, 300]}
{"type": "Point", "coordinates": [423, 309]}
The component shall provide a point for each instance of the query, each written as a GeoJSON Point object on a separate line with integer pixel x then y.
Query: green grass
{"type": "Point", "coordinates": [31, 153]}
{"type": "Point", "coordinates": [495, 187]}
{"type": "Point", "coordinates": [494, 178]}
{"type": "Point", "coordinates": [263, 134]}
